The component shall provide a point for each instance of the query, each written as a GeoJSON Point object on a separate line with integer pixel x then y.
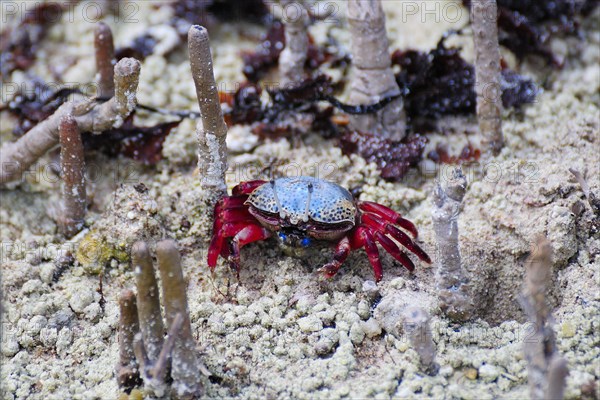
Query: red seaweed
{"type": "Point", "coordinates": [292, 111]}
{"type": "Point", "coordinates": [18, 48]}
{"type": "Point", "coordinates": [392, 157]}
{"type": "Point", "coordinates": [33, 106]}
{"type": "Point", "coordinates": [437, 83]}
{"type": "Point", "coordinates": [441, 82]}
{"type": "Point", "coordinates": [143, 144]}
{"type": "Point", "coordinates": [208, 12]}
{"type": "Point", "coordinates": [266, 55]}
{"type": "Point", "coordinates": [140, 48]}
{"type": "Point", "coordinates": [526, 25]}
{"type": "Point", "coordinates": [245, 106]}
{"type": "Point", "coordinates": [440, 154]}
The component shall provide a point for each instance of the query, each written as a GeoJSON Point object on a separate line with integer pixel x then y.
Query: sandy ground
{"type": "Point", "coordinates": [282, 331]}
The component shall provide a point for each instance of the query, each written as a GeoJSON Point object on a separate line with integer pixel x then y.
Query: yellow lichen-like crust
{"type": "Point", "coordinates": [329, 203]}
{"type": "Point", "coordinates": [93, 252]}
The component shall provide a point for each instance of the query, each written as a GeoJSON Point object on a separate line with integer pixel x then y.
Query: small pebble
{"type": "Point", "coordinates": [446, 371]}
{"type": "Point", "coordinates": [372, 328]}
{"type": "Point", "coordinates": [65, 336]}
{"type": "Point", "coordinates": [81, 298]}
{"type": "Point", "coordinates": [35, 324]}
{"type": "Point", "coordinates": [310, 324]}
{"type": "Point", "coordinates": [364, 310]}
{"type": "Point", "coordinates": [47, 272]}
{"type": "Point", "coordinates": [10, 346]}
{"type": "Point", "coordinates": [328, 340]}
{"type": "Point", "coordinates": [357, 333]}
{"type": "Point", "coordinates": [389, 314]}
{"type": "Point", "coordinates": [246, 319]}
{"type": "Point", "coordinates": [48, 336]}
{"type": "Point", "coordinates": [93, 312]}
{"type": "Point", "coordinates": [371, 290]}
{"type": "Point", "coordinates": [31, 286]}
{"type": "Point", "coordinates": [567, 329]}
{"type": "Point", "coordinates": [470, 373]}
{"type": "Point", "coordinates": [62, 318]}
{"type": "Point", "coordinates": [488, 373]}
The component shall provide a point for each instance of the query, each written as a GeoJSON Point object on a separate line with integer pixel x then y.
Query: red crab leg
{"type": "Point", "coordinates": [229, 202]}
{"type": "Point", "coordinates": [247, 187]}
{"type": "Point", "coordinates": [363, 238]}
{"type": "Point", "coordinates": [375, 222]}
{"type": "Point", "coordinates": [339, 256]}
{"type": "Point", "coordinates": [391, 247]}
{"type": "Point", "coordinates": [389, 215]}
{"type": "Point", "coordinates": [251, 233]}
{"type": "Point", "coordinates": [229, 229]}
{"type": "Point", "coordinates": [406, 241]}
{"type": "Point", "coordinates": [232, 215]}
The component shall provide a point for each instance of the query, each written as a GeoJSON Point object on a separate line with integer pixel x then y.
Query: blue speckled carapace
{"type": "Point", "coordinates": [303, 198]}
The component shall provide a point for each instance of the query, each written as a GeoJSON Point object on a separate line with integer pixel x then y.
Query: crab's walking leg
{"type": "Point", "coordinates": [339, 256]}
{"type": "Point", "coordinates": [388, 215]}
{"type": "Point", "coordinates": [362, 237]}
{"type": "Point", "coordinates": [406, 241]}
{"type": "Point", "coordinates": [376, 222]}
{"type": "Point", "coordinates": [246, 187]}
{"type": "Point", "coordinates": [391, 247]}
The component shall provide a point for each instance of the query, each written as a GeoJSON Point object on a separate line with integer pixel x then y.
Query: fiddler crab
{"type": "Point", "coordinates": [303, 210]}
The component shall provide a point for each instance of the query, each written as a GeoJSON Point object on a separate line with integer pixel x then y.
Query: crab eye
{"type": "Point", "coordinates": [305, 242]}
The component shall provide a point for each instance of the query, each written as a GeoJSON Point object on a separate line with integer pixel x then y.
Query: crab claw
{"type": "Point", "coordinates": [233, 228]}
{"type": "Point", "coordinates": [330, 269]}
{"type": "Point", "coordinates": [342, 250]}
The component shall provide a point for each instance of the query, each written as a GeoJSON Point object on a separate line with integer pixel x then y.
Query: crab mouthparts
{"type": "Point", "coordinates": [294, 238]}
